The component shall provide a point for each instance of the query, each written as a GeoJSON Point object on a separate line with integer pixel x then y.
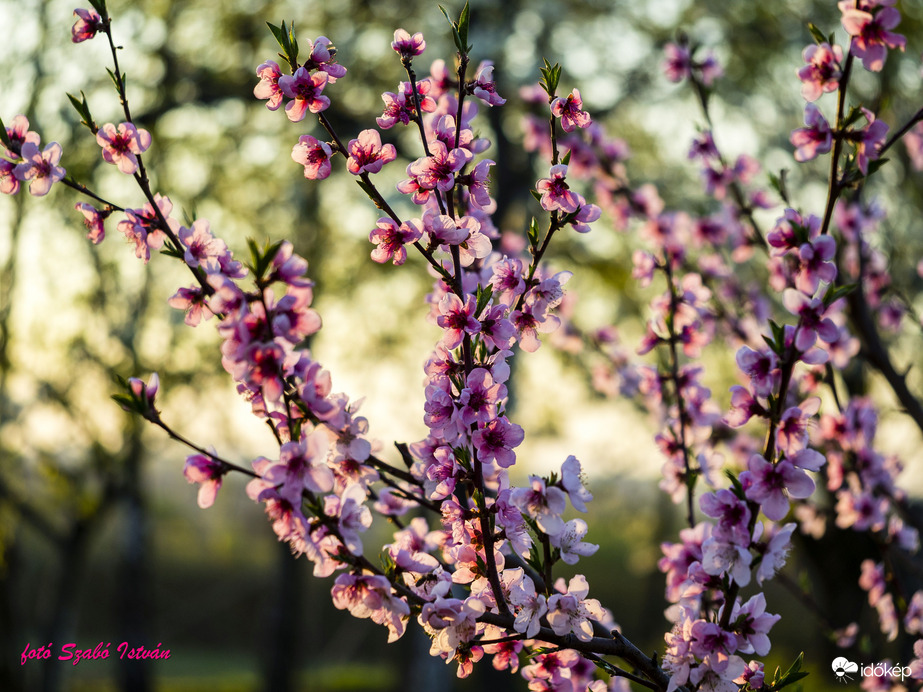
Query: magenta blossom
{"type": "Point", "coordinates": [122, 145]}
{"type": "Point", "coordinates": [93, 220]}
{"type": "Point", "coordinates": [305, 90]}
{"type": "Point", "coordinates": [18, 133]}
{"type": "Point", "coordinates": [40, 167]}
{"type": "Point", "coordinates": [568, 109]}
{"type": "Point", "coordinates": [392, 238]}
{"type": "Point", "coordinates": [438, 170]}
{"type": "Point", "coordinates": [822, 72]}
{"type": "Point", "coordinates": [88, 24]}
{"type": "Point", "coordinates": [871, 35]}
{"type": "Point", "coordinates": [457, 319]}
{"type": "Point", "coordinates": [495, 441]}
{"type": "Point", "coordinates": [408, 46]}
{"type": "Point", "coordinates": [871, 139]}
{"type": "Point", "coordinates": [768, 484]}
{"type": "Point", "coordinates": [207, 471]}
{"type": "Point", "coordinates": [269, 88]}
{"type": "Point", "coordinates": [367, 154]}
{"type": "Point", "coordinates": [677, 63]}
{"type": "Point", "coordinates": [314, 155]}
{"type": "Point", "coordinates": [555, 192]}
{"type": "Point", "coordinates": [813, 140]}
{"type": "Point", "coordinates": [484, 86]}
{"type": "Point", "coordinates": [323, 58]}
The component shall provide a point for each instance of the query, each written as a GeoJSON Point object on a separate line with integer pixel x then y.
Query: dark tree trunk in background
{"type": "Point", "coordinates": [283, 656]}
{"type": "Point", "coordinates": [134, 578]}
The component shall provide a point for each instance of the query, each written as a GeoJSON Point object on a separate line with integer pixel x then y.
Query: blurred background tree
{"type": "Point", "coordinates": [100, 539]}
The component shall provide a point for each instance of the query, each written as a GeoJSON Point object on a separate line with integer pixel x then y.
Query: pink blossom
{"type": "Point", "coordinates": [812, 323]}
{"type": "Point", "coordinates": [568, 109]}
{"type": "Point", "coordinates": [457, 319]}
{"type": "Point", "coordinates": [544, 504]}
{"type": "Point", "coordinates": [743, 407]}
{"type": "Point", "coordinates": [93, 220]}
{"type": "Point", "coordinates": [301, 466]}
{"type": "Point", "coordinates": [822, 72]}
{"type": "Point", "coordinates": [40, 167]}
{"type": "Point", "coordinates": [202, 248]}
{"type": "Point", "coordinates": [813, 140]}
{"type": "Point", "coordinates": [9, 184]}
{"type": "Point", "coordinates": [305, 90]}
{"type": "Point", "coordinates": [408, 46]}
{"type": "Point", "coordinates": [314, 155]}
{"type": "Point", "coordinates": [437, 172]}
{"type": "Point", "coordinates": [18, 133]}
{"type": "Point", "coordinates": [775, 552]}
{"type": "Point", "coordinates": [87, 25]}
{"type": "Point", "coordinates": [572, 481]}
{"type": "Point", "coordinates": [816, 264]}
{"type": "Point", "coordinates": [732, 513]}
{"type": "Point", "coordinates": [496, 440]}
{"type": "Point", "coordinates": [677, 64]}
{"type": "Point", "coordinates": [142, 226]}
{"type": "Point", "coordinates": [207, 471]}
{"type": "Point", "coordinates": [570, 542]}
{"type": "Point", "coordinates": [479, 398]}
{"type": "Point", "coordinates": [484, 86]}
{"type": "Point", "coordinates": [122, 145]}
{"type": "Point", "coordinates": [571, 612]}
{"type": "Point", "coordinates": [769, 481]}
{"type": "Point", "coordinates": [871, 139]}
{"type": "Point", "coordinates": [723, 557]}
{"type": "Point", "coordinates": [792, 433]}
{"type": "Point", "coordinates": [555, 192]}
{"type": "Point", "coordinates": [753, 625]}
{"type": "Point", "coordinates": [323, 57]}
{"type": "Point", "coordinates": [762, 367]}
{"type": "Point", "coordinates": [193, 301]}
{"type": "Point", "coordinates": [367, 154]}
{"type": "Point", "coordinates": [268, 87]}
{"type": "Point", "coordinates": [392, 238]}
{"type": "Point", "coordinates": [871, 35]}
{"type": "Point", "coordinates": [352, 515]}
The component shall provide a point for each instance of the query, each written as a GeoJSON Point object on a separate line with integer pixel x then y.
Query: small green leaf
{"type": "Point", "coordinates": [536, 194]}
{"type": "Point", "coordinates": [464, 19]}
{"type": "Point", "coordinates": [4, 137]}
{"type": "Point", "coordinates": [778, 183]}
{"type": "Point", "coordinates": [834, 293]}
{"type": "Point", "coordinates": [533, 232]}
{"type": "Point", "coordinates": [817, 34]}
{"type": "Point", "coordinates": [483, 298]}
{"type": "Point", "coordinates": [875, 165]}
{"type": "Point", "coordinates": [100, 7]}
{"type": "Point", "coordinates": [115, 80]}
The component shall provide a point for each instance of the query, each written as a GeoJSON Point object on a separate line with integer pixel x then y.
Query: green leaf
{"type": "Point", "coordinates": [778, 183]}
{"type": "Point", "coordinates": [4, 137]}
{"type": "Point", "coordinates": [817, 34]}
{"type": "Point", "coordinates": [566, 159]}
{"type": "Point", "coordinates": [277, 32]}
{"type": "Point", "coordinates": [536, 194]}
{"type": "Point", "coordinates": [834, 293]}
{"type": "Point", "coordinates": [100, 7]}
{"type": "Point", "coordinates": [115, 80]}
{"type": "Point", "coordinates": [875, 165]}
{"type": "Point", "coordinates": [464, 20]}
{"type": "Point", "coordinates": [533, 232]}
{"type": "Point", "coordinates": [483, 298]}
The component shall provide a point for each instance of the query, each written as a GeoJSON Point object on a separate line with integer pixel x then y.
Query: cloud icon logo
{"type": "Point", "coordinates": [842, 667]}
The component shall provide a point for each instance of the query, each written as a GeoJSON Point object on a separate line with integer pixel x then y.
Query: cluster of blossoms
{"type": "Point", "coordinates": [479, 577]}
